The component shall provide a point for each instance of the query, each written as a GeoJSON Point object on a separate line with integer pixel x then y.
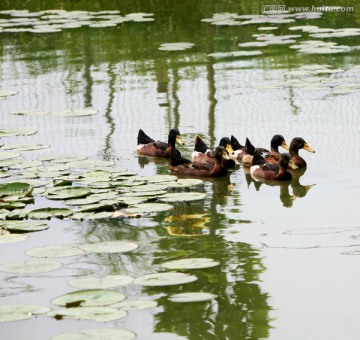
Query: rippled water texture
{"type": "Point", "coordinates": [288, 254]}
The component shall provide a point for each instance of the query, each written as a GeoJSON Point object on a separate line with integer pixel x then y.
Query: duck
{"type": "Point", "coordinates": [237, 147]}
{"type": "Point", "coordinates": [203, 154]}
{"type": "Point", "coordinates": [248, 154]}
{"type": "Point", "coordinates": [147, 146]}
{"type": "Point", "coordinates": [274, 155]}
{"type": "Point", "coordinates": [297, 144]}
{"type": "Point", "coordinates": [178, 164]}
{"type": "Point", "coordinates": [278, 172]}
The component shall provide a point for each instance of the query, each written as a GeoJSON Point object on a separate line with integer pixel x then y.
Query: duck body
{"type": "Point", "coordinates": [147, 146]}
{"type": "Point", "coordinates": [249, 153]}
{"type": "Point", "coordinates": [203, 154]}
{"type": "Point", "coordinates": [297, 144]}
{"type": "Point", "coordinates": [179, 166]}
{"type": "Point", "coordinates": [274, 155]}
{"type": "Point", "coordinates": [273, 171]}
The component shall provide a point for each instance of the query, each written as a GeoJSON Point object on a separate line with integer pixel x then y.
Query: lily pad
{"type": "Point", "coordinates": [149, 208]}
{"type": "Point", "coordinates": [108, 281]}
{"type": "Point", "coordinates": [182, 196]}
{"type": "Point", "coordinates": [193, 263]}
{"type": "Point", "coordinates": [235, 54]}
{"type": "Point", "coordinates": [60, 193]}
{"type": "Point", "coordinates": [21, 312]}
{"type": "Point", "coordinates": [8, 155]}
{"type": "Point", "coordinates": [25, 147]}
{"type": "Point", "coordinates": [89, 298]}
{"type": "Point", "coordinates": [56, 250]}
{"type": "Point", "coordinates": [30, 267]}
{"type": "Point", "coordinates": [74, 113]}
{"type": "Point", "coordinates": [89, 163]}
{"type": "Point", "coordinates": [179, 46]}
{"type": "Point", "coordinates": [7, 93]}
{"type": "Point", "coordinates": [192, 297]}
{"type": "Point", "coordinates": [19, 189]}
{"type": "Point", "coordinates": [17, 132]}
{"type": "Point", "coordinates": [165, 279]}
{"type": "Point", "coordinates": [47, 213]}
{"type": "Point", "coordinates": [101, 314]}
{"type": "Point", "coordinates": [110, 247]}
{"type": "Point", "coordinates": [28, 113]}
{"type": "Point", "coordinates": [12, 238]}
{"type": "Point", "coordinates": [136, 305]}
{"type": "Point", "coordinates": [97, 333]}
{"type": "Point", "coordinates": [24, 226]}
{"type": "Point", "coordinates": [91, 215]}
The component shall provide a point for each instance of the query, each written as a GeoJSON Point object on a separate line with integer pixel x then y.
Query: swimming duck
{"type": "Point", "coordinates": [274, 155]}
{"type": "Point", "coordinates": [203, 154]}
{"type": "Point", "coordinates": [273, 171]}
{"type": "Point", "coordinates": [237, 147]}
{"type": "Point", "coordinates": [296, 144]}
{"type": "Point", "coordinates": [199, 169]}
{"type": "Point", "coordinates": [247, 158]}
{"type": "Point", "coordinates": [149, 147]}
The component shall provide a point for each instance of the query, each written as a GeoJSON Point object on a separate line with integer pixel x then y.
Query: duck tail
{"type": "Point", "coordinates": [235, 143]}
{"type": "Point", "coordinates": [249, 148]}
{"type": "Point", "coordinates": [200, 145]}
{"type": "Point", "coordinates": [143, 138]}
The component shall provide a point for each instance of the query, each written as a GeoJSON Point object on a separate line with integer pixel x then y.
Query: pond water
{"type": "Point", "coordinates": [287, 253]}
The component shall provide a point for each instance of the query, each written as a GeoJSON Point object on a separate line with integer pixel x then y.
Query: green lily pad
{"type": "Point", "coordinates": [47, 213]}
{"type": "Point", "coordinates": [101, 314]}
{"type": "Point", "coordinates": [149, 208]}
{"type": "Point", "coordinates": [110, 247]}
{"type": "Point", "coordinates": [11, 205]}
{"type": "Point", "coordinates": [30, 267]}
{"type": "Point", "coordinates": [64, 159]}
{"type": "Point", "coordinates": [136, 305]}
{"type": "Point", "coordinates": [60, 193]}
{"type": "Point", "coordinates": [97, 333]}
{"type": "Point", "coordinates": [83, 201]}
{"type": "Point", "coordinates": [15, 188]}
{"type": "Point", "coordinates": [105, 282]}
{"type": "Point", "coordinates": [89, 298]}
{"type": "Point", "coordinates": [193, 263]}
{"type": "Point", "coordinates": [17, 132]}
{"type": "Point", "coordinates": [28, 113]}
{"type": "Point", "coordinates": [89, 163]}
{"type": "Point", "coordinates": [8, 155]}
{"type": "Point", "coordinates": [192, 297]}
{"type": "Point", "coordinates": [24, 226]}
{"type": "Point", "coordinates": [165, 279]}
{"type": "Point", "coordinates": [56, 250]}
{"type": "Point", "coordinates": [4, 174]}
{"type": "Point", "coordinates": [21, 312]}
{"type": "Point", "coordinates": [179, 46]}
{"type": "Point", "coordinates": [18, 164]}
{"type": "Point", "coordinates": [25, 147]}
{"type": "Point", "coordinates": [182, 196]}
{"type": "Point", "coordinates": [74, 113]}
{"type": "Point", "coordinates": [91, 215]}
{"type": "Point", "coordinates": [7, 93]}
{"type": "Point", "coordinates": [145, 193]}
{"type": "Point", "coordinates": [186, 182]}
{"type": "Point", "coordinates": [12, 238]}
{"type": "Point", "coordinates": [234, 54]}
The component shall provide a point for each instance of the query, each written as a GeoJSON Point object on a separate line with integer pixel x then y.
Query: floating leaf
{"type": "Point", "coordinates": [74, 113]}
{"type": "Point", "coordinates": [28, 113]}
{"type": "Point", "coordinates": [89, 298]}
{"type": "Point", "coordinates": [21, 312]}
{"type": "Point", "coordinates": [135, 305]}
{"type": "Point", "coordinates": [192, 297]}
{"type": "Point", "coordinates": [7, 93]}
{"type": "Point", "coordinates": [235, 54]}
{"type": "Point", "coordinates": [149, 208]}
{"type": "Point", "coordinates": [182, 196]}
{"type": "Point", "coordinates": [108, 281]}
{"type": "Point", "coordinates": [110, 247]}
{"type": "Point", "coordinates": [91, 215]}
{"type": "Point", "coordinates": [165, 279]}
{"type": "Point", "coordinates": [19, 189]}
{"type": "Point", "coordinates": [24, 226]}
{"type": "Point", "coordinates": [17, 132]}
{"type": "Point", "coordinates": [12, 238]}
{"type": "Point", "coordinates": [179, 46]}
{"type": "Point", "coordinates": [30, 267]}
{"type": "Point", "coordinates": [25, 147]}
{"type": "Point", "coordinates": [89, 163]}
{"type": "Point", "coordinates": [47, 213]}
{"type": "Point", "coordinates": [193, 263]}
{"type": "Point", "coordinates": [56, 250]}
{"type": "Point", "coordinates": [8, 155]}
{"type": "Point", "coordinates": [97, 333]}
{"type": "Point", "coordinates": [101, 314]}
{"type": "Point", "coordinates": [60, 193]}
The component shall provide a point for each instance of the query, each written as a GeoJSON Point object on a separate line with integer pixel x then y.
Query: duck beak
{"type": "Point", "coordinates": [285, 146]}
{"type": "Point", "coordinates": [179, 140]}
{"type": "Point", "coordinates": [229, 149]}
{"type": "Point", "coordinates": [225, 155]}
{"type": "Point", "coordinates": [308, 148]}
{"type": "Point", "coordinates": [292, 165]}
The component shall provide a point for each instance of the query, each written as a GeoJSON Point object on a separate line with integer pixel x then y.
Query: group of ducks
{"type": "Point", "coordinates": [263, 163]}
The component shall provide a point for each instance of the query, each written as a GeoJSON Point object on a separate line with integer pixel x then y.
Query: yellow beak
{"type": "Point", "coordinates": [225, 155]}
{"type": "Point", "coordinates": [285, 146]}
{"type": "Point", "coordinates": [229, 149]}
{"type": "Point", "coordinates": [308, 148]}
{"type": "Point", "coordinates": [179, 140]}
